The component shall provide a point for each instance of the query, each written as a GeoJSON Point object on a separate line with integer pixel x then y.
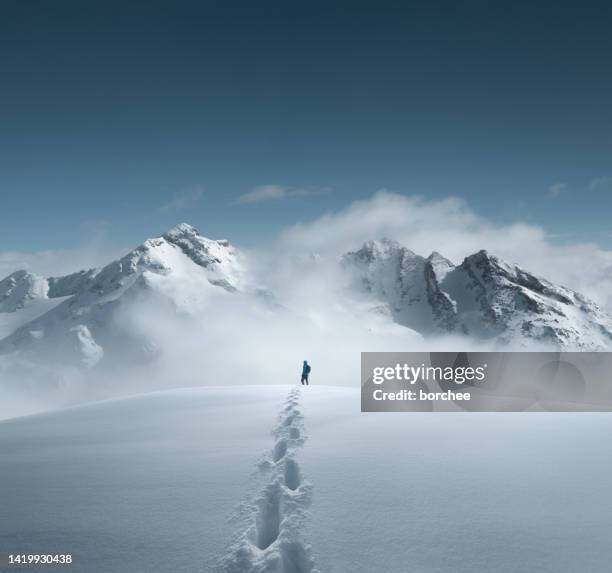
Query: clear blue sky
{"type": "Point", "coordinates": [137, 115]}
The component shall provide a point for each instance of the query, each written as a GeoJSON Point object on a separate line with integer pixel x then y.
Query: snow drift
{"type": "Point", "coordinates": [258, 479]}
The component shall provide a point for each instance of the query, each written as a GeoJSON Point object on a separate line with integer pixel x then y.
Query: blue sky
{"type": "Point", "coordinates": [125, 118]}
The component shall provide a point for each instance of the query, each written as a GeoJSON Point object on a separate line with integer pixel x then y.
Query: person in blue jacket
{"type": "Point", "coordinates": [305, 372]}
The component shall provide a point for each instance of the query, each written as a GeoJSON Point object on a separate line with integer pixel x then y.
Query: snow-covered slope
{"type": "Point", "coordinates": [406, 282]}
{"type": "Point", "coordinates": [23, 298]}
{"type": "Point", "coordinates": [182, 267]}
{"type": "Point", "coordinates": [484, 297]}
{"type": "Point", "coordinates": [19, 289]}
{"type": "Point", "coordinates": [497, 299]}
{"type": "Point", "coordinates": [264, 479]}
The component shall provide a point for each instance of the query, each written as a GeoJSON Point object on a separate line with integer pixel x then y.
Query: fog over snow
{"type": "Point", "coordinates": [297, 305]}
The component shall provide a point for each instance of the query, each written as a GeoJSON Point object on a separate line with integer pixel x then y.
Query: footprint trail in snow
{"type": "Point", "coordinates": [269, 540]}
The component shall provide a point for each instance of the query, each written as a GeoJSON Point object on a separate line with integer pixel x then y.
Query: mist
{"type": "Point", "coordinates": [152, 343]}
{"type": "Point", "coordinates": [298, 306]}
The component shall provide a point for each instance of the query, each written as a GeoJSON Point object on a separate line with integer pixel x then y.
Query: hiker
{"type": "Point", "coordinates": [305, 372]}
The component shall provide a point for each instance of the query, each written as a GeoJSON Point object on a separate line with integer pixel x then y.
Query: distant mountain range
{"type": "Point", "coordinates": [73, 317]}
{"type": "Point", "coordinates": [483, 297]}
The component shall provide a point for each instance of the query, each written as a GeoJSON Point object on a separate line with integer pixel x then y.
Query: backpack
{"type": "Point", "coordinates": [307, 369]}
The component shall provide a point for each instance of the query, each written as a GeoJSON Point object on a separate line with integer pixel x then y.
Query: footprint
{"type": "Point", "coordinates": [293, 477]}
{"type": "Point", "coordinates": [295, 559]}
{"type": "Point", "coordinates": [268, 517]}
{"type": "Point", "coordinates": [273, 527]}
{"type": "Point", "coordinates": [280, 449]}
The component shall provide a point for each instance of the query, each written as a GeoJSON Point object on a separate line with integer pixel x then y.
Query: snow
{"type": "Point", "coordinates": [222, 260]}
{"type": "Point", "coordinates": [395, 276]}
{"type": "Point", "coordinates": [86, 347]}
{"type": "Point", "coordinates": [11, 321]}
{"type": "Point", "coordinates": [135, 485]}
{"type": "Point", "coordinates": [440, 265]}
{"type": "Point", "coordinates": [19, 288]}
{"type": "Point", "coordinates": [182, 267]}
{"type": "Point", "coordinates": [455, 493]}
{"type": "Point", "coordinates": [285, 480]}
{"type": "Point", "coordinates": [484, 299]}
{"type": "Point", "coordinates": [494, 298]}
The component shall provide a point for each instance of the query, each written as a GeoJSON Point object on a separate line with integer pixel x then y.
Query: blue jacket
{"type": "Point", "coordinates": [305, 369]}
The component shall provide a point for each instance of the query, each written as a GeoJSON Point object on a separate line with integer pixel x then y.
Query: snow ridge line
{"type": "Point", "coordinates": [270, 541]}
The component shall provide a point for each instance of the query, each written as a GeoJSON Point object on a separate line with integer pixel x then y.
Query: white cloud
{"type": "Point", "coordinates": [263, 193]}
{"type": "Point", "coordinates": [600, 183]}
{"type": "Point", "coordinates": [183, 200]}
{"type": "Point", "coordinates": [556, 189]}
{"type": "Point", "coordinates": [277, 193]}
{"type": "Point", "coordinates": [452, 228]}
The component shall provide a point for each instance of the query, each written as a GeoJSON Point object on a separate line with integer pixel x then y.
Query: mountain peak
{"type": "Point", "coordinates": [383, 248]}
{"type": "Point", "coordinates": [488, 264]}
{"type": "Point", "coordinates": [382, 243]}
{"type": "Point", "coordinates": [181, 267]}
{"type": "Point", "coordinates": [17, 275]}
{"type": "Point", "coordinates": [181, 230]}
{"type": "Point", "coordinates": [440, 265]}
{"type": "Point", "coordinates": [19, 288]}
{"type": "Point", "coordinates": [484, 297]}
{"type": "Point", "coordinates": [481, 257]}
{"type": "Point", "coordinates": [436, 257]}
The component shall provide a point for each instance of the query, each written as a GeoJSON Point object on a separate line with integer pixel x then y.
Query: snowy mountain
{"type": "Point", "coordinates": [406, 283]}
{"type": "Point", "coordinates": [19, 289]}
{"type": "Point", "coordinates": [84, 317]}
{"type": "Point", "coordinates": [483, 297]}
{"type": "Point", "coordinates": [23, 297]}
{"type": "Point", "coordinates": [181, 267]}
